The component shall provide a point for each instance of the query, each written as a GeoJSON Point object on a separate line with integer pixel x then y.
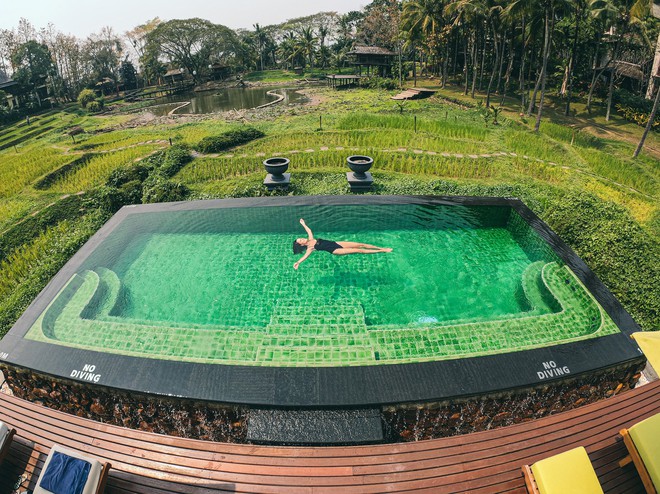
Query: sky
{"type": "Point", "coordinates": [84, 17]}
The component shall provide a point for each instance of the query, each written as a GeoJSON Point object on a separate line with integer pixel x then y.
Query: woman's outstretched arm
{"type": "Point", "coordinates": [309, 232]}
{"type": "Point", "coordinates": [296, 264]}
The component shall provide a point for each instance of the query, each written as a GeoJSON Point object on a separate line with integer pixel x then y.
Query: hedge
{"type": "Point", "coordinates": [233, 138]}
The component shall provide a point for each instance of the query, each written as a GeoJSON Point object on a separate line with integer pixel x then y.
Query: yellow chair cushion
{"type": "Point", "coordinates": [567, 473]}
{"type": "Point", "coordinates": [646, 436]}
{"type": "Point", "coordinates": [649, 342]}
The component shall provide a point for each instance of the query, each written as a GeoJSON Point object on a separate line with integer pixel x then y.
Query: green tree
{"type": "Point", "coordinates": [260, 39]}
{"type": "Point", "coordinates": [288, 50]}
{"type": "Point", "coordinates": [128, 75]}
{"type": "Point", "coordinates": [470, 17]}
{"type": "Point", "coordinates": [137, 36]}
{"type": "Point", "coordinates": [620, 16]}
{"type": "Point", "coordinates": [103, 53]}
{"type": "Point", "coordinates": [380, 25]}
{"type": "Point", "coordinates": [306, 44]}
{"type": "Point", "coordinates": [33, 63]}
{"type": "Point", "coordinates": [193, 44]}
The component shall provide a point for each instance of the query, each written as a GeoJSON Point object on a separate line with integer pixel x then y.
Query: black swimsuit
{"type": "Point", "coordinates": [326, 245]}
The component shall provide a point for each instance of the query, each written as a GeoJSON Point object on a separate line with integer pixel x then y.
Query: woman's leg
{"type": "Point", "coordinates": [351, 250]}
{"type": "Point", "coordinates": [358, 245]}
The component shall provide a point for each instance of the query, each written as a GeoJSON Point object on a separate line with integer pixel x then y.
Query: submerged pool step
{"type": "Point", "coordinates": [309, 341]}
{"type": "Point", "coordinates": [320, 332]}
{"type": "Point", "coordinates": [316, 356]}
{"type": "Point", "coordinates": [105, 295]}
{"type": "Point", "coordinates": [112, 285]}
{"type": "Point", "coordinates": [312, 317]}
{"type": "Point", "coordinates": [541, 300]}
{"type": "Point", "coordinates": [316, 330]}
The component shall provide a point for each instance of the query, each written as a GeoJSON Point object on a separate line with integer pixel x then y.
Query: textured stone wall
{"type": "Point", "coordinates": [433, 420]}
{"type": "Point", "coordinates": [401, 423]}
{"type": "Point", "coordinates": [163, 416]}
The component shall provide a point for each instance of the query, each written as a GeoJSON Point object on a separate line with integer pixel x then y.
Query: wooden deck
{"type": "Point", "coordinates": [480, 463]}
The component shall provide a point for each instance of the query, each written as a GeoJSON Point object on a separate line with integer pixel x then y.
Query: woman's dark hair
{"type": "Point", "coordinates": [298, 248]}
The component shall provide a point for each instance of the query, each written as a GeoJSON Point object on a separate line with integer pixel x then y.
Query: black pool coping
{"type": "Point", "coordinates": [327, 387]}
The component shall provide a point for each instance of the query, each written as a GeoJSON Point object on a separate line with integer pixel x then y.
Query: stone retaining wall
{"type": "Point", "coordinates": [401, 423]}
{"type": "Point", "coordinates": [417, 422]}
{"type": "Point", "coordinates": [172, 417]}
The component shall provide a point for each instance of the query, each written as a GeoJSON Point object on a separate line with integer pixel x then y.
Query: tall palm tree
{"type": "Point", "coordinates": [260, 38]}
{"type": "Point", "coordinates": [287, 49]}
{"type": "Point", "coordinates": [423, 17]}
{"type": "Point", "coordinates": [619, 16]}
{"type": "Point", "coordinates": [493, 21]}
{"type": "Point", "coordinates": [422, 20]}
{"type": "Point", "coordinates": [526, 12]}
{"type": "Point", "coordinates": [324, 51]}
{"type": "Point", "coordinates": [306, 44]}
{"type": "Point", "coordinates": [579, 7]}
{"type": "Point", "coordinates": [469, 15]}
{"type": "Point", "coordinates": [649, 124]}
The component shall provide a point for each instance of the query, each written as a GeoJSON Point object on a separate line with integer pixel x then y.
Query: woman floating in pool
{"type": "Point", "coordinates": [311, 244]}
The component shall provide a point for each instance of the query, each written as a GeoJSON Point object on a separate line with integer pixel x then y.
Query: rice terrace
{"type": "Point", "coordinates": [411, 247]}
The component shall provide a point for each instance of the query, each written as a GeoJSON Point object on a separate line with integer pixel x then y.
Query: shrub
{"type": "Point", "coordinates": [175, 158]}
{"type": "Point", "coordinates": [379, 83]}
{"type": "Point", "coordinates": [630, 100]}
{"type": "Point", "coordinates": [158, 189]}
{"type": "Point", "coordinates": [635, 108]}
{"type": "Point", "coordinates": [107, 199]}
{"type": "Point", "coordinates": [126, 174]}
{"type": "Point", "coordinates": [216, 144]}
{"type": "Point", "coordinates": [153, 161]}
{"type": "Point", "coordinates": [132, 192]}
{"type": "Point", "coordinates": [27, 271]}
{"type": "Point", "coordinates": [638, 117]}
{"type": "Point", "coordinates": [86, 97]}
{"type": "Point", "coordinates": [95, 106]}
{"type": "Point", "coordinates": [607, 239]}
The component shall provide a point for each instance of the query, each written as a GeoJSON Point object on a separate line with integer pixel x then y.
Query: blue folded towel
{"type": "Point", "coordinates": [65, 474]}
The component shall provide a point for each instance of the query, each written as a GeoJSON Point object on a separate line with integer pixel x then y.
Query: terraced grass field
{"type": "Point", "coordinates": [442, 145]}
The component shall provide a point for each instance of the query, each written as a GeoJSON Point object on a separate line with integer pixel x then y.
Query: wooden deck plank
{"type": "Point", "coordinates": [484, 462]}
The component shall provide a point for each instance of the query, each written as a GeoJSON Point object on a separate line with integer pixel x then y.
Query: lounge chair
{"type": "Point", "coordinates": [6, 435]}
{"type": "Point", "coordinates": [69, 472]}
{"type": "Point", "coordinates": [649, 342]}
{"type": "Point", "coordinates": [643, 443]}
{"type": "Point", "coordinates": [570, 472]}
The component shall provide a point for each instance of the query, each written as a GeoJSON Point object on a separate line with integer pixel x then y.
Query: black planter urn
{"type": "Point", "coordinates": [275, 167]}
{"type": "Point", "coordinates": [359, 178]}
{"type": "Point", "coordinates": [360, 165]}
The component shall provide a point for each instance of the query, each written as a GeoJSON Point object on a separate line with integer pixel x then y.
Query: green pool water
{"type": "Point", "coordinates": [218, 286]}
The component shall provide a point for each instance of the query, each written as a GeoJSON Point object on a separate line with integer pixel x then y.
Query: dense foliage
{"type": "Point", "coordinates": [192, 44]}
{"type": "Point", "coordinates": [85, 97]}
{"type": "Point", "coordinates": [624, 256]}
{"type": "Point", "coordinates": [227, 140]}
{"type": "Point", "coordinates": [146, 181]}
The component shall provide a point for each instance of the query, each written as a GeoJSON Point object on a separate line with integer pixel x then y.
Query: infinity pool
{"type": "Point", "coordinates": [217, 285]}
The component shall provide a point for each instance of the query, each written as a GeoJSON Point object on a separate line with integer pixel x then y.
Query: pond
{"type": "Point", "coordinates": [223, 100]}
